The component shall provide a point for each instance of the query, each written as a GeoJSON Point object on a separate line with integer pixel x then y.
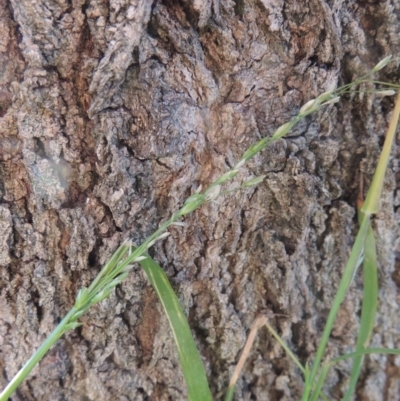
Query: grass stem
{"type": "Point", "coordinates": [36, 357]}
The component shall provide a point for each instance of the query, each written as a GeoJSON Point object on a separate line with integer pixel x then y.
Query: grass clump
{"type": "Point", "coordinates": [121, 262]}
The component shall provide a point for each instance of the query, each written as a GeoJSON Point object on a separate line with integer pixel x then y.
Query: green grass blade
{"type": "Point", "coordinates": [230, 393]}
{"type": "Point", "coordinates": [374, 193]}
{"type": "Point", "coordinates": [368, 311]}
{"type": "Point", "coordinates": [367, 351]}
{"type": "Point", "coordinates": [340, 295]}
{"type": "Point", "coordinates": [291, 355]}
{"type": "Point", "coordinates": [191, 364]}
{"type": "Point", "coordinates": [307, 381]}
{"type": "Point", "coordinates": [320, 382]}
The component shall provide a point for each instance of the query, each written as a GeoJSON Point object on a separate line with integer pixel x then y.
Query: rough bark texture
{"type": "Point", "coordinates": [113, 112]}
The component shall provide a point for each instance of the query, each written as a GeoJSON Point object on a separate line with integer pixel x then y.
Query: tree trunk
{"type": "Point", "coordinates": [113, 112]}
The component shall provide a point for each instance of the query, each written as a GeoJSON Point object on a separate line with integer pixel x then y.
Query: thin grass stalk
{"type": "Point", "coordinates": [385, 83]}
{"type": "Point", "coordinates": [367, 351]}
{"type": "Point", "coordinates": [286, 348]}
{"type": "Point", "coordinates": [259, 322]}
{"type": "Point", "coordinates": [37, 356]}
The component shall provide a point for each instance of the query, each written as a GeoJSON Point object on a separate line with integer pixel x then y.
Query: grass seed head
{"type": "Point", "coordinates": [240, 164]}
{"type": "Point", "coordinates": [311, 106]}
{"type": "Point", "coordinates": [383, 63]}
{"type": "Point", "coordinates": [102, 295]}
{"type": "Point", "coordinates": [191, 203]}
{"type": "Point", "coordinates": [213, 193]}
{"type": "Point", "coordinates": [282, 130]}
{"type": "Point", "coordinates": [253, 181]}
{"type": "Point", "coordinates": [333, 101]}
{"type": "Point", "coordinates": [325, 96]}
{"type": "Point", "coordinates": [227, 176]}
{"type": "Point", "coordinates": [388, 92]}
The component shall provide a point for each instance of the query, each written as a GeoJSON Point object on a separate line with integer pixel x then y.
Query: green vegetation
{"type": "Point", "coordinates": [363, 251]}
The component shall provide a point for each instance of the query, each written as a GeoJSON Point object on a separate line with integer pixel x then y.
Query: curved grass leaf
{"type": "Point", "coordinates": [191, 364]}
{"type": "Point", "coordinates": [367, 351]}
{"type": "Point", "coordinates": [369, 306]}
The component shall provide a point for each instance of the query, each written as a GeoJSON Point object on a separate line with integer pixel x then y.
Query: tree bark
{"type": "Point", "coordinates": [113, 112]}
